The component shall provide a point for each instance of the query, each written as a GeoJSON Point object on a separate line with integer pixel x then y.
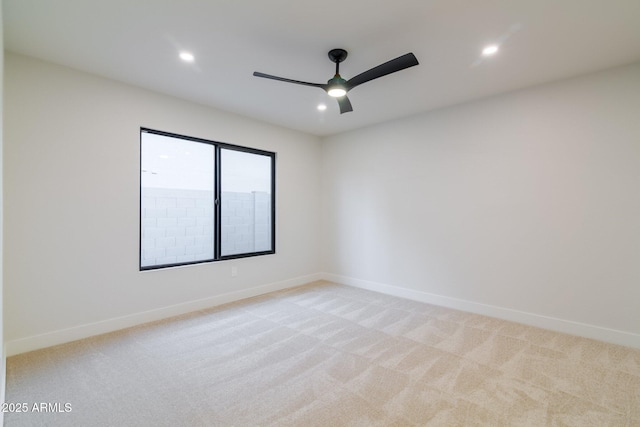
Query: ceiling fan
{"type": "Point", "coordinates": [338, 87]}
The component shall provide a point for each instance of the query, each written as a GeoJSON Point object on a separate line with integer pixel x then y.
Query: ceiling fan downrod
{"type": "Point", "coordinates": [337, 56]}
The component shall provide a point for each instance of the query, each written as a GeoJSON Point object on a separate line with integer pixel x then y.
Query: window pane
{"type": "Point", "coordinates": [246, 218]}
{"type": "Point", "coordinates": [177, 200]}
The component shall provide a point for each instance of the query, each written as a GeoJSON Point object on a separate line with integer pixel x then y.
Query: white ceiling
{"type": "Point", "coordinates": [137, 42]}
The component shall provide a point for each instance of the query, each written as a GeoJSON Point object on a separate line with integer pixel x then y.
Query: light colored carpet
{"type": "Point", "coordinates": [329, 355]}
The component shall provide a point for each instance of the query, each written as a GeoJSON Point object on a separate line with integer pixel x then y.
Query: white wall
{"type": "Point", "coordinates": [3, 359]}
{"type": "Point", "coordinates": [525, 206]}
{"type": "Point", "coordinates": [72, 204]}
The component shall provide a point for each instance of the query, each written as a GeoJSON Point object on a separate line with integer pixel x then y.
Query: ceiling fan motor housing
{"type": "Point", "coordinates": [337, 80]}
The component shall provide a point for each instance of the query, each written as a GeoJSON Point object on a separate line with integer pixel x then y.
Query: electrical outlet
{"type": "Point", "coordinates": [234, 271]}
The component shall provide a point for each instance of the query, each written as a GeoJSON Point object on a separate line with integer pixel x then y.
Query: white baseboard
{"type": "Point", "coordinates": [62, 336]}
{"type": "Point", "coordinates": [559, 325]}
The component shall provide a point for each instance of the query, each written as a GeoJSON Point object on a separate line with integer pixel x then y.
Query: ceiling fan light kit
{"type": "Point", "coordinates": [337, 91]}
{"type": "Point", "coordinates": [338, 87]}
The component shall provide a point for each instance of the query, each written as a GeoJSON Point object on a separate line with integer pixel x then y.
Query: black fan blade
{"type": "Point", "coordinates": [345, 104]}
{"type": "Point", "coordinates": [400, 63]}
{"type": "Point", "coordinates": [282, 79]}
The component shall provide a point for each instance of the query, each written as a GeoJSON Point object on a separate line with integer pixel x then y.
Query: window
{"type": "Point", "coordinates": [203, 201]}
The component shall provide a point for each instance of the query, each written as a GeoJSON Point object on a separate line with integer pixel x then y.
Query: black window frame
{"type": "Point", "coordinates": [217, 205]}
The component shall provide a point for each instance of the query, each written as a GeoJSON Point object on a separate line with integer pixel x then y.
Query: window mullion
{"type": "Point", "coordinates": [217, 208]}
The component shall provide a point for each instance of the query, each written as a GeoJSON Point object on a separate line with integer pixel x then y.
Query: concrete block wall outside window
{"type": "Point", "coordinates": [246, 222]}
{"type": "Point", "coordinates": [177, 226]}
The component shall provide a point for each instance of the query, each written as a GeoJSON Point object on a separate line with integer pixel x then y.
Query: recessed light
{"type": "Point", "coordinates": [322, 107]}
{"type": "Point", "coordinates": [490, 50]}
{"type": "Point", "coordinates": [186, 56]}
{"type": "Point", "coordinates": [163, 156]}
